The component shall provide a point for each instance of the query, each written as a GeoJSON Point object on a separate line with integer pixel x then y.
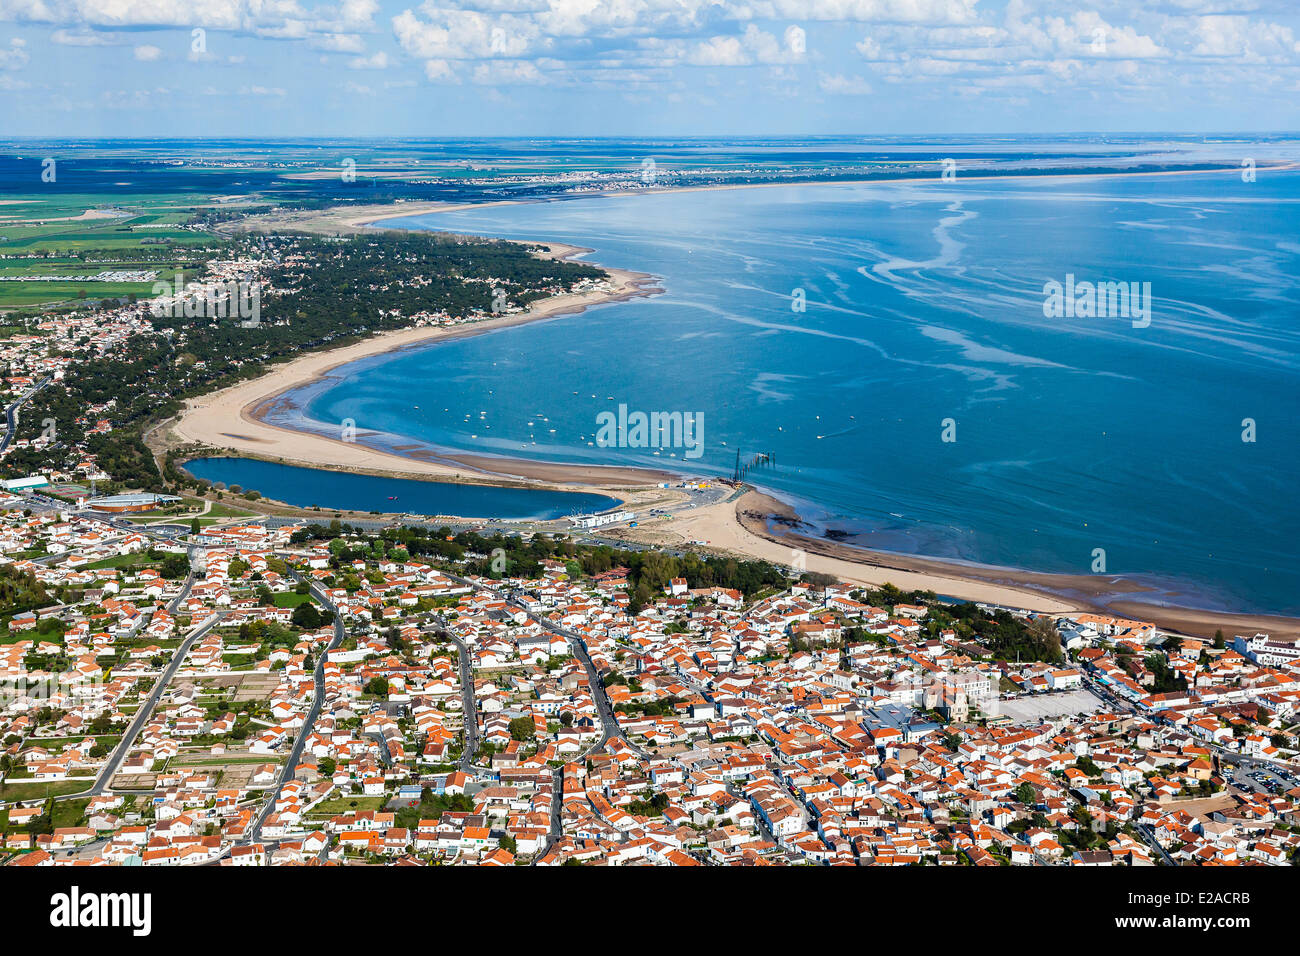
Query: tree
{"type": "Point", "coordinates": [306, 616]}
{"type": "Point", "coordinates": [174, 566]}
{"type": "Point", "coordinates": [1025, 794]}
{"type": "Point", "coordinates": [194, 526]}
{"type": "Point", "coordinates": [1044, 629]}
{"type": "Point", "coordinates": [377, 686]}
{"type": "Point", "coordinates": [522, 728]}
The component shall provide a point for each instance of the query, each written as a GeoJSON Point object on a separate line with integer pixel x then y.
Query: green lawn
{"type": "Point", "coordinates": [123, 561]}
{"type": "Point", "coordinates": [111, 740]}
{"type": "Point", "coordinates": [226, 511]}
{"type": "Point", "coordinates": [37, 790]}
{"type": "Point", "coordinates": [337, 805]}
{"type": "Point", "coordinates": [70, 813]}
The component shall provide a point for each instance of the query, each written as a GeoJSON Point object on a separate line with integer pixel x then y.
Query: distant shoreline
{"type": "Point", "coordinates": [342, 220]}
{"type": "Point", "coordinates": [367, 220]}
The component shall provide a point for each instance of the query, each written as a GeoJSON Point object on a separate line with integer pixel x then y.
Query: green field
{"type": "Point", "coordinates": [140, 559]}
{"type": "Point", "coordinates": [337, 805]}
{"type": "Point", "coordinates": [48, 235]}
{"type": "Point", "coordinates": [38, 790]}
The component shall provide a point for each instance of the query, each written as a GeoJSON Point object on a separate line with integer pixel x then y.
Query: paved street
{"type": "Point", "coordinates": [300, 739]}
{"type": "Point", "coordinates": [11, 412]}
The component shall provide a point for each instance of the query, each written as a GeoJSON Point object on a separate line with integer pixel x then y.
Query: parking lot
{"type": "Point", "coordinates": [1048, 706]}
{"type": "Point", "coordinates": [1263, 779]}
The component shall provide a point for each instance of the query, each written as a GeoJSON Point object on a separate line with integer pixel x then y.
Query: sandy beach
{"type": "Point", "coordinates": [756, 526]}
{"type": "Point", "coordinates": [231, 420]}
{"type": "Point", "coordinates": [342, 220]}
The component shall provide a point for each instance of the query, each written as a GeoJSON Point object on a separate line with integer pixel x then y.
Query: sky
{"type": "Point", "coordinates": [264, 68]}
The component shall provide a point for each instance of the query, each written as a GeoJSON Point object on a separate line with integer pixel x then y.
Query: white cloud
{"type": "Point", "coordinates": [463, 35]}
{"type": "Point", "coordinates": [719, 51]}
{"type": "Point", "coordinates": [440, 71]}
{"type": "Point", "coordinates": [837, 84]}
{"type": "Point", "coordinates": [869, 49]}
{"type": "Point", "coordinates": [339, 43]}
{"type": "Point", "coordinates": [147, 53]}
{"type": "Point", "coordinates": [871, 11]}
{"type": "Point", "coordinates": [1243, 39]}
{"type": "Point", "coordinates": [286, 19]}
{"type": "Point", "coordinates": [360, 13]}
{"type": "Point", "coordinates": [1004, 48]}
{"type": "Point", "coordinates": [752, 46]}
{"type": "Point", "coordinates": [377, 61]}
{"type": "Point", "coordinates": [80, 38]}
{"type": "Point", "coordinates": [508, 73]}
{"type": "Point", "coordinates": [16, 57]}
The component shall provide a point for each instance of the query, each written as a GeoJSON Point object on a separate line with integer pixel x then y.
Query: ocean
{"type": "Point", "coordinates": [892, 349]}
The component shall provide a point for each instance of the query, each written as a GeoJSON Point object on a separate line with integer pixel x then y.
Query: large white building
{"type": "Point", "coordinates": [597, 521]}
{"type": "Point", "coordinates": [21, 484]}
{"type": "Point", "coordinates": [1266, 652]}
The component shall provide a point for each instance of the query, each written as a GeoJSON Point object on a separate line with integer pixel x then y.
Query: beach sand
{"type": "Point", "coordinates": [231, 419]}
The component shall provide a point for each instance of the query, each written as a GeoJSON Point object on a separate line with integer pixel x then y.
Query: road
{"type": "Point", "coordinates": [469, 709]}
{"type": "Point", "coordinates": [1150, 837]}
{"type": "Point", "coordinates": [608, 719]}
{"type": "Point", "coordinates": [145, 712]}
{"type": "Point", "coordinates": [11, 412]}
{"type": "Point", "coordinates": [609, 722]}
{"type": "Point", "coordinates": [300, 740]}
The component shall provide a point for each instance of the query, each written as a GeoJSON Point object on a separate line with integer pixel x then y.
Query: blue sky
{"type": "Point", "coordinates": [644, 67]}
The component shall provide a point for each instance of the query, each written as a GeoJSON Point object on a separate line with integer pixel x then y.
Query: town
{"type": "Point", "coordinates": [268, 692]}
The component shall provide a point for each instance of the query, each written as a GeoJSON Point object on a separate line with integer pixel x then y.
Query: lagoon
{"type": "Point", "coordinates": [311, 487]}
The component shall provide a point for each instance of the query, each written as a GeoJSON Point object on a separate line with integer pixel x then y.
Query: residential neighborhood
{"type": "Point", "coordinates": [276, 693]}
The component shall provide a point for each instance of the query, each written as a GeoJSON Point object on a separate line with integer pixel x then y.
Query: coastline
{"type": "Point", "coordinates": [232, 419]}
{"type": "Point", "coordinates": [1112, 595]}
{"type": "Point", "coordinates": [361, 218]}
{"type": "Point", "coordinates": [740, 526]}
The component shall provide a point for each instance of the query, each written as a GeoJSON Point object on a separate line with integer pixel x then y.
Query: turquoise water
{"type": "Point", "coordinates": [309, 487]}
{"type": "Point", "coordinates": [924, 302]}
